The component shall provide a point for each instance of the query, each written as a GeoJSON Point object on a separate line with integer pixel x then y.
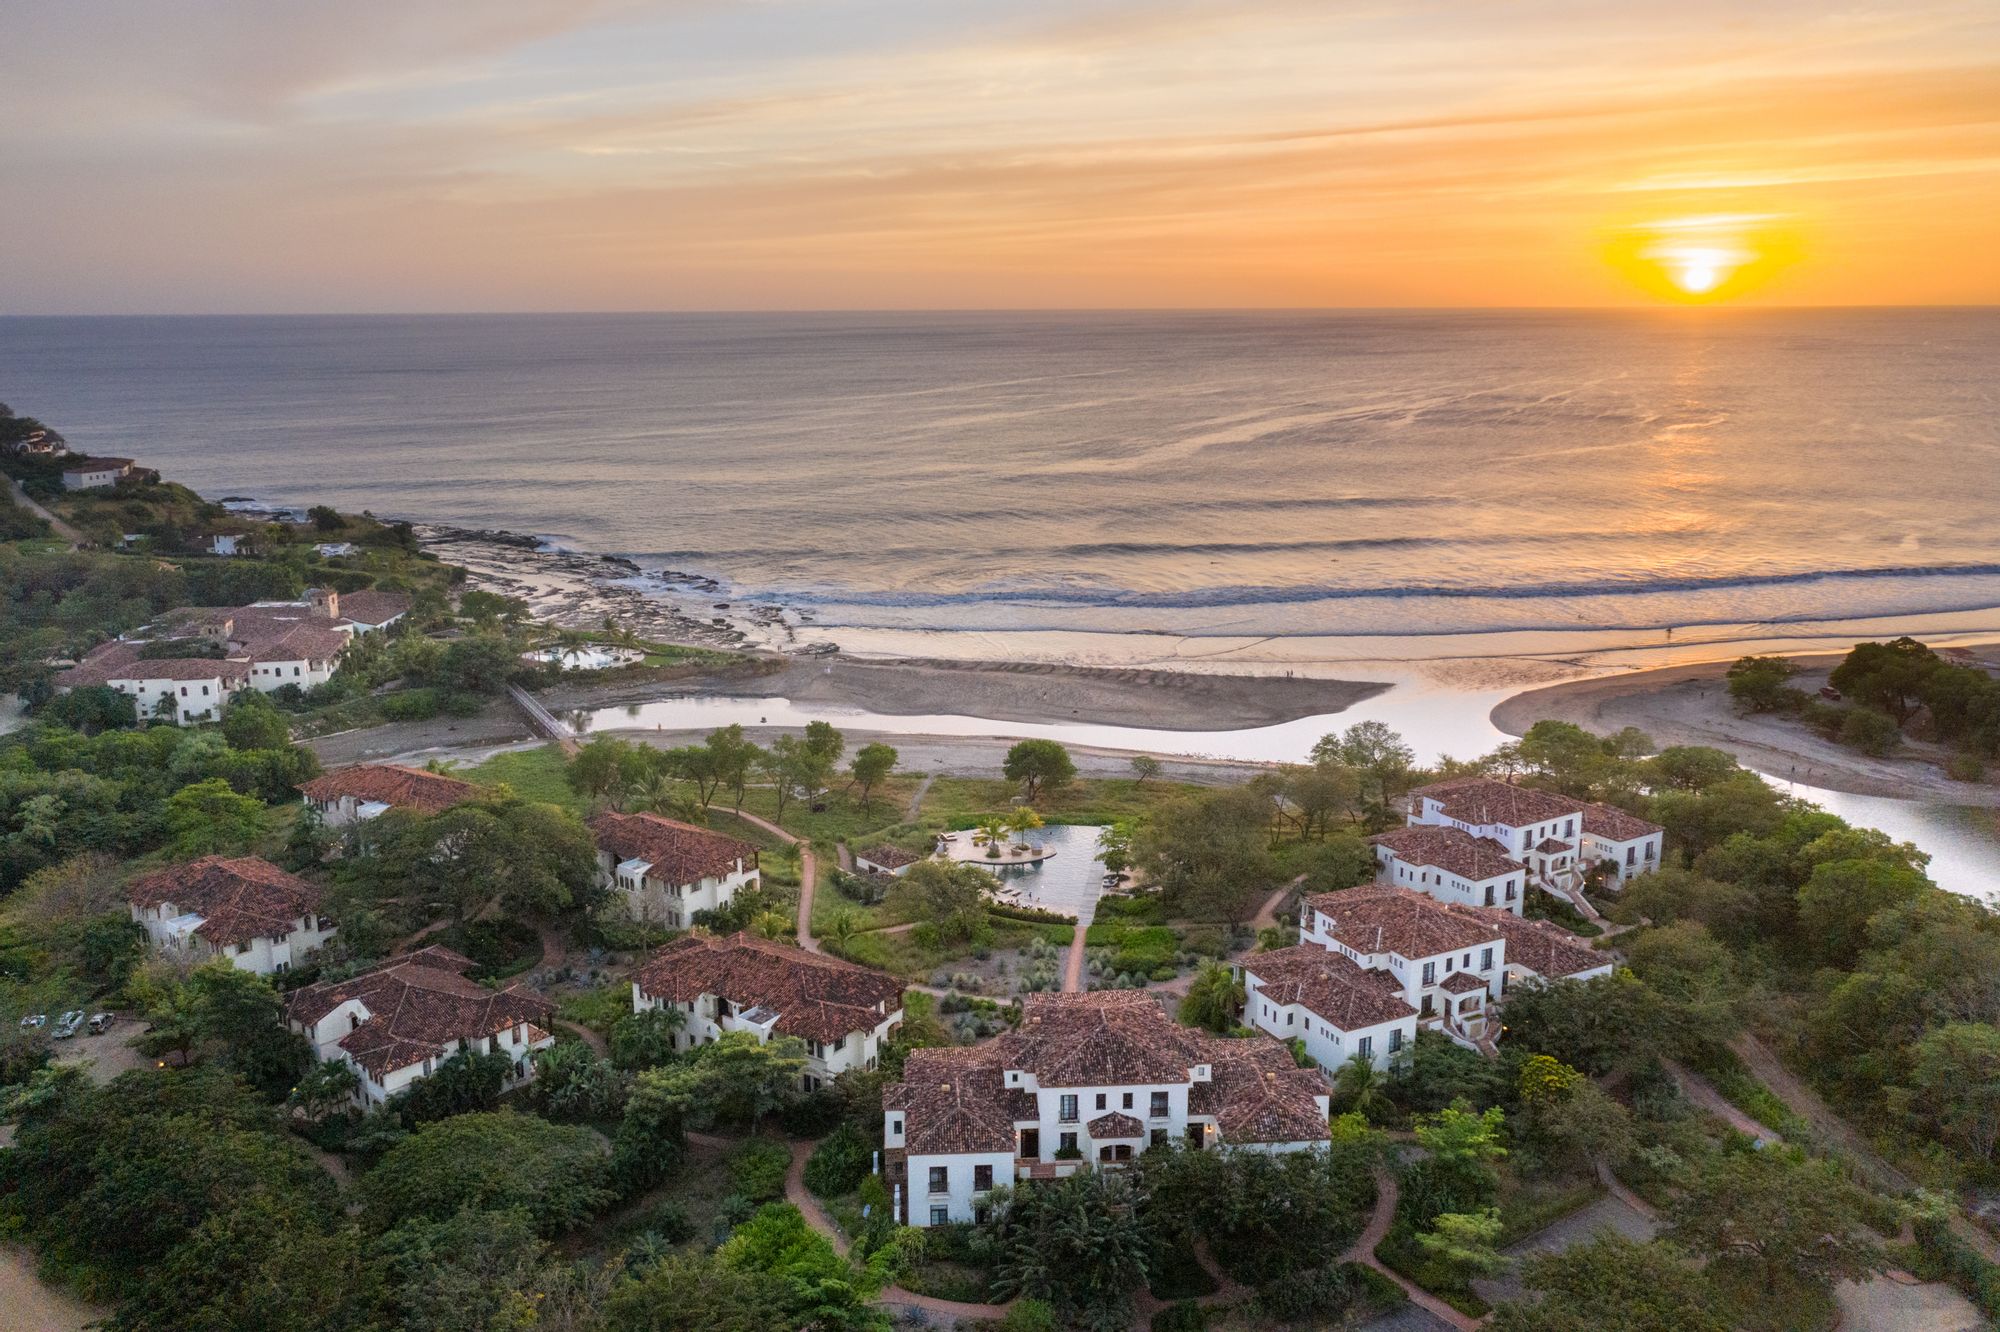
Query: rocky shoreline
{"type": "Point", "coordinates": [577, 590]}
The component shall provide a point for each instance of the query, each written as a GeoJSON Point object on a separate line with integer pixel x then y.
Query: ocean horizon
{"type": "Point", "coordinates": [1196, 474]}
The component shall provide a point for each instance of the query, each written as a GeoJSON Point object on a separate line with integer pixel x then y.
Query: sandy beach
{"type": "Point", "coordinates": [1689, 705]}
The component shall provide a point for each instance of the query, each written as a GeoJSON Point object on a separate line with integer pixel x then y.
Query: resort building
{"type": "Point", "coordinates": [844, 1013]}
{"type": "Point", "coordinates": [890, 860]}
{"type": "Point", "coordinates": [227, 544]}
{"type": "Point", "coordinates": [1452, 866]}
{"type": "Point", "coordinates": [366, 790]}
{"type": "Point", "coordinates": [1558, 839]}
{"type": "Point", "coordinates": [1086, 1078]}
{"type": "Point", "coordinates": [371, 610]}
{"type": "Point", "coordinates": [248, 910]}
{"type": "Point", "coordinates": [90, 473]}
{"type": "Point", "coordinates": [666, 870]}
{"type": "Point", "coordinates": [40, 444]}
{"type": "Point", "coordinates": [397, 1022]}
{"type": "Point", "coordinates": [175, 689]}
{"type": "Point", "coordinates": [1364, 951]}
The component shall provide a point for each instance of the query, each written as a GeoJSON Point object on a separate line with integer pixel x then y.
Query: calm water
{"type": "Point", "coordinates": [1261, 474]}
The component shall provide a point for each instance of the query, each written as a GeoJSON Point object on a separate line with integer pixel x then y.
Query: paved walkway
{"type": "Point", "coordinates": [62, 529]}
{"type": "Point", "coordinates": [808, 872]}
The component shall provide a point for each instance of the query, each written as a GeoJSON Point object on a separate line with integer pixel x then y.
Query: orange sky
{"type": "Point", "coordinates": [380, 155]}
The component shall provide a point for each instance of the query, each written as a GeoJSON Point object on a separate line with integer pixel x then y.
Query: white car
{"type": "Point", "coordinates": [70, 1025]}
{"type": "Point", "coordinates": [34, 1020]}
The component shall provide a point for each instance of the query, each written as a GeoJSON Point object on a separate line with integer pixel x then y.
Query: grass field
{"type": "Point", "coordinates": [535, 774]}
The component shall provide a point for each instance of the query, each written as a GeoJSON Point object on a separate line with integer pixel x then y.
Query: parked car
{"type": "Point", "coordinates": [34, 1020]}
{"type": "Point", "coordinates": [101, 1023]}
{"type": "Point", "coordinates": [70, 1024]}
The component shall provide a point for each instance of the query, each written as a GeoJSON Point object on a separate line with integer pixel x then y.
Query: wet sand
{"type": "Point", "coordinates": [1013, 692]}
{"type": "Point", "coordinates": [1690, 705]}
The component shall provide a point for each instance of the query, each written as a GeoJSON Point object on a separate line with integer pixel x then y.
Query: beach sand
{"type": "Point", "coordinates": [1689, 705]}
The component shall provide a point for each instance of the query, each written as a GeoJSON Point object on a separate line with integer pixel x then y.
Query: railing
{"type": "Point", "coordinates": [542, 719]}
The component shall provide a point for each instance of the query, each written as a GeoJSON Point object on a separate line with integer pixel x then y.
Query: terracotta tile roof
{"type": "Point", "coordinates": [890, 857]}
{"type": "Point", "coordinates": [419, 1007]}
{"type": "Point", "coordinates": [238, 900]}
{"type": "Point", "coordinates": [1377, 919]}
{"type": "Point", "coordinates": [95, 464]}
{"type": "Point", "coordinates": [1614, 824]}
{"type": "Point", "coordinates": [1331, 985]}
{"type": "Point", "coordinates": [1452, 849]}
{"type": "Point", "coordinates": [373, 607]}
{"type": "Point", "coordinates": [1462, 982]}
{"type": "Point", "coordinates": [1485, 800]}
{"type": "Point", "coordinates": [955, 1100]}
{"type": "Point", "coordinates": [816, 997]}
{"type": "Point", "coordinates": [1547, 950]}
{"type": "Point", "coordinates": [680, 853]}
{"type": "Point", "coordinates": [302, 642]}
{"type": "Point", "coordinates": [121, 661]}
{"type": "Point", "coordinates": [1549, 846]}
{"type": "Point", "coordinates": [392, 784]}
{"type": "Point", "coordinates": [1114, 1124]}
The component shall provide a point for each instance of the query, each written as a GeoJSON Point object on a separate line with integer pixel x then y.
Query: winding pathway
{"type": "Point", "coordinates": [61, 528]}
{"type": "Point", "coordinates": [1363, 1251]}
{"type": "Point", "coordinates": [808, 872]}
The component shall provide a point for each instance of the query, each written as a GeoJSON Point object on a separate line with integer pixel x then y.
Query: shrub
{"type": "Point", "coordinates": [840, 1163]}
{"type": "Point", "coordinates": [412, 704]}
{"type": "Point", "coordinates": [758, 1168]}
{"type": "Point", "coordinates": [1872, 732]}
{"type": "Point", "coordinates": [1183, 1316]}
{"type": "Point", "coordinates": [1966, 768]}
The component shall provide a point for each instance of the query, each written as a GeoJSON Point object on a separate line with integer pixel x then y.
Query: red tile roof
{"type": "Point", "coordinates": [392, 784]}
{"type": "Point", "coordinates": [1475, 858]}
{"type": "Point", "coordinates": [1549, 846]}
{"type": "Point", "coordinates": [889, 857]}
{"type": "Point", "coordinates": [953, 1100]}
{"type": "Point", "coordinates": [1331, 985]}
{"type": "Point", "coordinates": [1614, 824]}
{"type": "Point", "coordinates": [816, 997]}
{"type": "Point", "coordinates": [1549, 951]}
{"type": "Point", "coordinates": [373, 607]}
{"type": "Point", "coordinates": [680, 853]}
{"type": "Point", "coordinates": [1114, 1124]}
{"type": "Point", "coordinates": [1378, 919]}
{"type": "Point", "coordinates": [1479, 800]}
{"type": "Point", "coordinates": [419, 1007]}
{"type": "Point", "coordinates": [238, 900]}
{"type": "Point", "coordinates": [121, 661]}
{"type": "Point", "coordinates": [1462, 982]}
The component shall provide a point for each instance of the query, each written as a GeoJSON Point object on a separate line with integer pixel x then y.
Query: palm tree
{"type": "Point", "coordinates": [663, 795]}
{"type": "Point", "coordinates": [994, 826]}
{"type": "Point", "coordinates": [442, 766]}
{"type": "Point", "coordinates": [1362, 1089]}
{"type": "Point", "coordinates": [1023, 821]}
{"type": "Point", "coordinates": [1213, 999]}
{"type": "Point", "coordinates": [770, 925]}
{"type": "Point", "coordinates": [841, 929]}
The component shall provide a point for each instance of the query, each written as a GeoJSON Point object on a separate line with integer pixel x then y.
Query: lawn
{"type": "Point", "coordinates": [535, 774]}
{"type": "Point", "coordinates": [841, 817]}
{"type": "Point", "coordinates": [903, 955]}
{"type": "Point", "coordinates": [960, 802]}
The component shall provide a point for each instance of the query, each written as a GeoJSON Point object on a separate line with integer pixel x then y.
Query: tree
{"type": "Point", "coordinates": [467, 1272]}
{"type": "Point", "coordinates": [1688, 768]}
{"type": "Point", "coordinates": [1343, 860]}
{"type": "Point", "coordinates": [1602, 1025]}
{"type": "Point", "coordinates": [699, 1293]}
{"type": "Point", "coordinates": [1890, 676]}
{"type": "Point", "coordinates": [1688, 969]}
{"type": "Point", "coordinates": [1145, 768]}
{"type": "Point", "coordinates": [468, 1081]}
{"type": "Point", "coordinates": [535, 859]}
{"type": "Point", "coordinates": [1837, 901]}
{"type": "Point", "coordinates": [1114, 847]}
{"type": "Point", "coordinates": [325, 518]}
{"type": "Point", "coordinates": [1082, 1243]}
{"type": "Point", "coordinates": [1565, 757]}
{"type": "Point", "coordinates": [1955, 1087]}
{"type": "Point", "coordinates": [733, 758]}
{"type": "Point", "coordinates": [1214, 998]}
{"type": "Point", "coordinates": [251, 722]}
{"type": "Point", "coordinates": [841, 928]}
{"type": "Point", "coordinates": [1761, 684]}
{"type": "Point", "coordinates": [325, 1086]}
{"type": "Point", "coordinates": [207, 818]}
{"type": "Point", "coordinates": [574, 1083]}
{"type": "Point", "coordinates": [825, 1290]}
{"type": "Point", "coordinates": [871, 766]}
{"type": "Point", "coordinates": [1040, 766]}
{"type": "Point", "coordinates": [1023, 821]}
{"type": "Point", "coordinates": [490, 1162]}
{"type": "Point", "coordinates": [734, 1079]}
{"type": "Point", "coordinates": [1377, 754]}
{"type": "Point", "coordinates": [479, 664]}
{"type": "Point", "coordinates": [652, 1136]}
{"type": "Point", "coordinates": [1873, 732]}
{"type": "Point", "coordinates": [1566, 1119]}
{"type": "Point", "coordinates": [948, 897]}
{"type": "Point", "coordinates": [645, 1039]}
{"type": "Point", "coordinates": [240, 1011]}
{"type": "Point", "coordinates": [602, 767]}
{"type": "Point", "coordinates": [1465, 1241]}
{"type": "Point", "coordinates": [1776, 1218]}
{"type": "Point", "coordinates": [1209, 853]}
{"type": "Point", "coordinates": [1313, 797]}
{"type": "Point", "coordinates": [1609, 1281]}
{"type": "Point", "coordinates": [1361, 1089]}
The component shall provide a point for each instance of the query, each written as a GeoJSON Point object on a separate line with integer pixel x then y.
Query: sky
{"type": "Point", "coordinates": [219, 156]}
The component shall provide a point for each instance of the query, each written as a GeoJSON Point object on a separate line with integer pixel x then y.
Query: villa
{"type": "Point", "coordinates": [370, 610]}
{"type": "Point", "coordinates": [1375, 963]}
{"type": "Point", "coordinates": [668, 870]}
{"type": "Point", "coordinates": [176, 689]}
{"type": "Point", "coordinates": [367, 790]}
{"type": "Point", "coordinates": [247, 910]}
{"type": "Point", "coordinates": [1086, 1078]}
{"type": "Point", "coordinates": [90, 473]}
{"type": "Point", "coordinates": [395, 1023]}
{"type": "Point", "coordinates": [891, 860]}
{"type": "Point", "coordinates": [844, 1013]}
{"type": "Point", "coordinates": [1558, 841]}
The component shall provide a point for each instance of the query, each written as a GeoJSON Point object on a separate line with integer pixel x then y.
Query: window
{"type": "Point", "coordinates": [940, 1179]}
{"type": "Point", "coordinates": [1486, 959]}
{"type": "Point", "coordinates": [1466, 965]}
{"type": "Point", "coordinates": [982, 1178]}
{"type": "Point", "coordinates": [1159, 1106]}
{"type": "Point", "coordinates": [1066, 1145]}
{"type": "Point", "coordinates": [1631, 853]}
{"type": "Point", "coordinates": [1367, 1047]}
{"type": "Point", "coordinates": [1569, 829]}
{"type": "Point", "coordinates": [895, 1123]}
{"type": "Point", "coordinates": [1649, 853]}
{"type": "Point", "coordinates": [1128, 1101]}
{"type": "Point", "coordinates": [1159, 1137]}
{"type": "Point", "coordinates": [1100, 1100]}
{"type": "Point", "coordinates": [1395, 1039]}
{"type": "Point", "coordinates": [940, 1216]}
{"type": "Point", "coordinates": [1430, 973]}
{"type": "Point", "coordinates": [184, 691]}
{"type": "Point", "coordinates": [1066, 1108]}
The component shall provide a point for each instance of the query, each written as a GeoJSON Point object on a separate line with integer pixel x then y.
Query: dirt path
{"type": "Point", "coordinates": [916, 805]}
{"type": "Point", "coordinates": [62, 529]}
{"type": "Point", "coordinates": [808, 872]}
{"type": "Point", "coordinates": [1073, 967]}
{"type": "Point", "coordinates": [1703, 1093]}
{"type": "Point", "coordinates": [30, 1303]}
{"type": "Point", "coordinates": [1363, 1251]}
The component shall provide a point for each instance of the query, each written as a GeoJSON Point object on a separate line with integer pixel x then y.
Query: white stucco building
{"type": "Point", "coordinates": [355, 794]}
{"type": "Point", "coordinates": [247, 910]}
{"type": "Point", "coordinates": [891, 860]}
{"type": "Point", "coordinates": [1093, 1078]}
{"type": "Point", "coordinates": [90, 473]}
{"type": "Point", "coordinates": [396, 1023]}
{"type": "Point", "coordinates": [663, 870]}
{"type": "Point", "coordinates": [1557, 839]}
{"type": "Point", "coordinates": [844, 1013]}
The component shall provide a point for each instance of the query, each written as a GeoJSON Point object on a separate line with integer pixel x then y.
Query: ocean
{"type": "Point", "coordinates": [1199, 475]}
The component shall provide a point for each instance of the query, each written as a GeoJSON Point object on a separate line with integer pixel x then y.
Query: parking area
{"type": "Point", "coordinates": [109, 1054]}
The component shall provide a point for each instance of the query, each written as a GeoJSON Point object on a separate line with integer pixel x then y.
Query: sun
{"type": "Point", "coordinates": [1700, 259]}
